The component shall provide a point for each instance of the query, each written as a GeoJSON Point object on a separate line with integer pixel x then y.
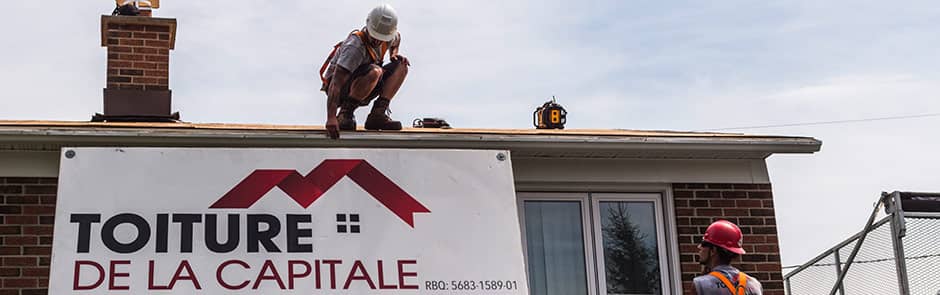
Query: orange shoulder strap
{"type": "Point", "coordinates": [365, 42]}
{"type": "Point", "coordinates": [742, 282]}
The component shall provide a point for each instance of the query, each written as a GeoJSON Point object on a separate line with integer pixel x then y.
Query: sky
{"type": "Point", "coordinates": [652, 65]}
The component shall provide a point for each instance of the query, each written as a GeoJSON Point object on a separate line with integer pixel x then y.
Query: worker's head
{"type": "Point", "coordinates": [382, 23]}
{"type": "Point", "coordinates": [721, 243]}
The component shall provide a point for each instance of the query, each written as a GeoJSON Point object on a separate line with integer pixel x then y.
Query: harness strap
{"type": "Point", "coordinates": [365, 42]}
{"type": "Point", "coordinates": [742, 282]}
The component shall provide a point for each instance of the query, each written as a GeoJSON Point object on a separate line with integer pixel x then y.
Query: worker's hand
{"type": "Point", "coordinates": [404, 60]}
{"type": "Point", "coordinates": [332, 128]}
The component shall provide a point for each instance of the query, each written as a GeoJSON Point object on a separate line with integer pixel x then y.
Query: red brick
{"type": "Point", "coordinates": [736, 212]}
{"type": "Point", "coordinates": [700, 221]}
{"type": "Point", "coordinates": [156, 87]}
{"type": "Point", "coordinates": [750, 221]}
{"type": "Point", "coordinates": [38, 230]}
{"type": "Point", "coordinates": [707, 194]}
{"type": "Point", "coordinates": [131, 57]}
{"type": "Point", "coordinates": [158, 28]}
{"type": "Point", "coordinates": [37, 250]}
{"type": "Point", "coordinates": [733, 194]}
{"type": "Point", "coordinates": [49, 200]}
{"type": "Point", "coordinates": [11, 210]}
{"type": "Point", "coordinates": [10, 251]}
{"type": "Point", "coordinates": [113, 64]}
{"type": "Point", "coordinates": [40, 209]}
{"type": "Point", "coordinates": [19, 283]}
{"type": "Point", "coordinates": [681, 203]}
{"type": "Point", "coordinates": [764, 230]}
{"type": "Point", "coordinates": [18, 261]}
{"type": "Point", "coordinates": [698, 203]}
{"type": "Point", "coordinates": [754, 239]}
{"type": "Point", "coordinates": [132, 42]}
{"type": "Point", "coordinates": [747, 186]}
{"type": "Point", "coordinates": [120, 49]}
{"type": "Point", "coordinates": [10, 230]}
{"type": "Point", "coordinates": [44, 260]}
{"type": "Point", "coordinates": [42, 283]}
{"type": "Point", "coordinates": [748, 203]}
{"type": "Point", "coordinates": [36, 272]}
{"type": "Point", "coordinates": [682, 194]}
{"type": "Point", "coordinates": [157, 58]}
{"type": "Point", "coordinates": [754, 258]}
{"type": "Point", "coordinates": [124, 27]}
{"type": "Point", "coordinates": [721, 186]}
{"type": "Point", "coordinates": [759, 195]}
{"type": "Point", "coordinates": [22, 200]}
{"type": "Point", "coordinates": [41, 189]}
{"type": "Point", "coordinates": [688, 230]}
{"type": "Point", "coordinates": [45, 240]}
{"type": "Point", "coordinates": [772, 267]}
{"type": "Point", "coordinates": [762, 212]}
{"type": "Point", "coordinates": [685, 212]}
{"type": "Point", "coordinates": [146, 65]}
{"type": "Point", "coordinates": [20, 219]}
{"type": "Point", "coordinates": [708, 212]}
{"type": "Point", "coordinates": [132, 72]}
{"type": "Point", "coordinates": [721, 203]}
{"type": "Point", "coordinates": [139, 35]}
{"type": "Point", "coordinates": [164, 37]}
{"type": "Point", "coordinates": [768, 203]}
{"type": "Point", "coordinates": [678, 186]}
{"type": "Point", "coordinates": [158, 73]}
{"type": "Point", "coordinates": [146, 50]}
{"type": "Point", "coordinates": [695, 185]}
{"type": "Point", "coordinates": [47, 219]}
{"type": "Point", "coordinates": [119, 34]}
{"type": "Point", "coordinates": [9, 272]}
{"type": "Point", "coordinates": [158, 43]}
{"type": "Point", "coordinates": [19, 240]}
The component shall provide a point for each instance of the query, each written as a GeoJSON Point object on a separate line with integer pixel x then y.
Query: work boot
{"type": "Point", "coordinates": [346, 116]}
{"type": "Point", "coordinates": [378, 119]}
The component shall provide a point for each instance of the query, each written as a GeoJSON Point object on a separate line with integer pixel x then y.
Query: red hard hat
{"type": "Point", "coordinates": [724, 234]}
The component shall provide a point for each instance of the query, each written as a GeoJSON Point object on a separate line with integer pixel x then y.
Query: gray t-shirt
{"type": "Point", "coordinates": [352, 54]}
{"type": "Point", "coordinates": [709, 285]}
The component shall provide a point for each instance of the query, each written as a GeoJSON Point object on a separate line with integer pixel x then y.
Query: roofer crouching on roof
{"type": "Point", "coordinates": [354, 74]}
{"type": "Point", "coordinates": [720, 245]}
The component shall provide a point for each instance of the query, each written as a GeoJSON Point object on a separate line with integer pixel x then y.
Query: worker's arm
{"type": "Point", "coordinates": [393, 52]}
{"type": "Point", "coordinates": [339, 79]}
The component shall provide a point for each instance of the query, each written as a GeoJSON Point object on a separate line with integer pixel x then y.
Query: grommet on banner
{"type": "Point", "coordinates": [501, 157]}
{"type": "Point", "coordinates": [69, 154]}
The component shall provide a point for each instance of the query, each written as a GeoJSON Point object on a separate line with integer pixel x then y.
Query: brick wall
{"type": "Point", "coordinates": [751, 207]}
{"type": "Point", "coordinates": [138, 55]}
{"type": "Point", "coordinates": [27, 210]}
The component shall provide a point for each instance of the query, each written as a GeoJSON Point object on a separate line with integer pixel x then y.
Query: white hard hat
{"type": "Point", "coordinates": [382, 23]}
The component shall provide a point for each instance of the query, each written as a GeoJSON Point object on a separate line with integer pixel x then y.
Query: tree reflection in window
{"type": "Point", "coordinates": [630, 254]}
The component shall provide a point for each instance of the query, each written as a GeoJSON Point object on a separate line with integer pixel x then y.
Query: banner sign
{"type": "Point", "coordinates": [286, 221]}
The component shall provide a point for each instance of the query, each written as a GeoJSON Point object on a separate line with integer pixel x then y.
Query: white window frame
{"type": "Point", "coordinates": [666, 223]}
{"type": "Point", "coordinates": [587, 230]}
{"type": "Point", "coordinates": [662, 246]}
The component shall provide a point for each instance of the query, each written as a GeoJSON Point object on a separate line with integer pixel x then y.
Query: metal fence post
{"type": "Point", "coordinates": [839, 270]}
{"type": "Point", "coordinates": [898, 231]}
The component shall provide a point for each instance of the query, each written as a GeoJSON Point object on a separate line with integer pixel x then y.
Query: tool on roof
{"type": "Point", "coordinates": [430, 123]}
{"type": "Point", "coordinates": [550, 115]}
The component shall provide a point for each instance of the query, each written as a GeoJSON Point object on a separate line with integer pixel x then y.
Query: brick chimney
{"type": "Point", "coordinates": [138, 68]}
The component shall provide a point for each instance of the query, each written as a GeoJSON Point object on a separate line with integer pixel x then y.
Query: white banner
{"type": "Point", "coordinates": [286, 221]}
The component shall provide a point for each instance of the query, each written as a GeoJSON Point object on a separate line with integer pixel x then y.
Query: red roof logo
{"type": "Point", "coordinates": [307, 189]}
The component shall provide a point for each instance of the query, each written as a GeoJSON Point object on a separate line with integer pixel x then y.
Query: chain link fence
{"type": "Point", "coordinates": [875, 269]}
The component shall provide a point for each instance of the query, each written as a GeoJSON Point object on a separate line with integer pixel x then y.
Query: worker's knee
{"type": "Point", "coordinates": [374, 73]}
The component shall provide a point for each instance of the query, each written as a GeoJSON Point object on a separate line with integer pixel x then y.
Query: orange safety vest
{"type": "Point", "coordinates": [376, 57]}
{"type": "Point", "coordinates": [742, 282]}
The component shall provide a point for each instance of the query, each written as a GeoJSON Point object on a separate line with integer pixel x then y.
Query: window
{"type": "Point", "coordinates": [594, 244]}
